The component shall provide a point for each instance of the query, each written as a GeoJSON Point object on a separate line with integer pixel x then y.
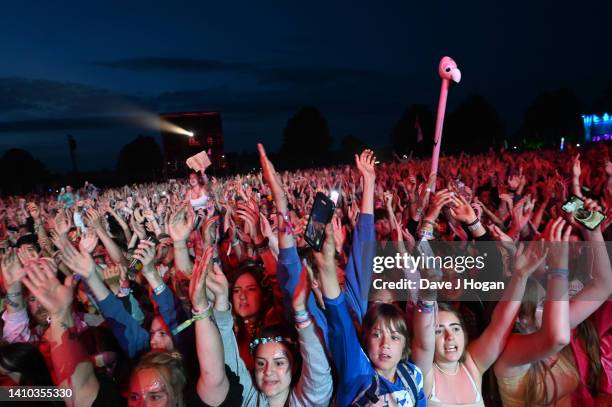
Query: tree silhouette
{"type": "Point", "coordinates": [473, 127]}
{"type": "Point", "coordinates": [21, 172]}
{"type": "Point", "coordinates": [306, 139]}
{"type": "Point", "coordinates": [349, 146]}
{"type": "Point", "coordinates": [553, 115]}
{"type": "Point", "coordinates": [405, 134]}
{"type": "Point", "coordinates": [604, 103]}
{"type": "Point", "coordinates": [140, 160]}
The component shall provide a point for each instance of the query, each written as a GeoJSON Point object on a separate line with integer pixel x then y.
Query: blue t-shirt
{"type": "Point", "coordinates": [355, 371]}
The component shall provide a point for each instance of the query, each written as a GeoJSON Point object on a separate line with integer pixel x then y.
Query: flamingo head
{"type": "Point", "coordinates": [448, 69]}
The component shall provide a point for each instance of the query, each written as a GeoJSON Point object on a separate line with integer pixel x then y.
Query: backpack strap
{"type": "Point", "coordinates": [369, 395]}
{"type": "Point", "coordinates": [407, 379]}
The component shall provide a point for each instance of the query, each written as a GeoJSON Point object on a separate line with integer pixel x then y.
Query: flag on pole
{"type": "Point", "coordinates": [417, 126]}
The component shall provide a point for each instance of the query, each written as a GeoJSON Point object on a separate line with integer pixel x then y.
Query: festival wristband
{"type": "Point", "coordinates": [197, 316]}
{"type": "Point", "coordinates": [557, 272]}
{"type": "Point", "coordinates": [426, 307]}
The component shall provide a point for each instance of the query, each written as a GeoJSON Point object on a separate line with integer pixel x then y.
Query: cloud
{"type": "Point", "coordinates": [40, 98]}
{"type": "Point", "coordinates": [164, 64]}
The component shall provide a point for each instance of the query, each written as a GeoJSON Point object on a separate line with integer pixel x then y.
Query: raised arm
{"type": "Point", "coordinates": [600, 287]}
{"type": "Point", "coordinates": [130, 335]}
{"type": "Point", "coordinates": [95, 221]}
{"type": "Point", "coordinates": [213, 384]}
{"type": "Point", "coordinates": [315, 385]}
{"type": "Point", "coordinates": [554, 334]}
{"type": "Point", "coordinates": [180, 227]}
{"type": "Point", "coordinates": [359, 266]}
{"type": "Point", "coordinates": [485, 350]}
{"type": "Point", "coordinates": [71, 365]}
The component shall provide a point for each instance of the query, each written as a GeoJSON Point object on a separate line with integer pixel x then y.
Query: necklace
{"type": "Point", "coordinates": [445, 372]}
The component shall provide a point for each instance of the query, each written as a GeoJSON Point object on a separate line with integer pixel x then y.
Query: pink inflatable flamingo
{"type": "Point", "coordinates": [448, 71]}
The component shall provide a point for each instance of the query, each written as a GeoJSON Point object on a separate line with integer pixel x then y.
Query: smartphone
{"type": "Point", "coordinates": [334, 195]}
{"type": "Point", "coordinates": [320, 215]}
{"type": "Point", "coordinates": [575, 207]}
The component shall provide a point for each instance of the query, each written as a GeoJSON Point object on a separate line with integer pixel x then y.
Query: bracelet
{"type": "Point", "coordinates": [288, 227]}
{"type": "Point", "coordinates": [159, 289]}
{"type": "Point", "coordinates": [426, 307]}
{"type": "Point", "coordinates": [473, 223]}
{"type": "Point", "coordinates": [197, 316]}
{"type": "Point", "coordinates": [301, 312]}
{"type": "Point", "coordinates": [13, 295]}
{"type": "Point", "coordinates": [429, 222]}
{"type": "Point", "coordinates": [426, 234]}
{"type": "Point", "coordinates": [557, 272]}
{"type": "Point", "coordinates": [235, 242]}
{"type": "Point", "coordinates": [301, 317]}
{"type": "Point", "coordinates": [474, 227]}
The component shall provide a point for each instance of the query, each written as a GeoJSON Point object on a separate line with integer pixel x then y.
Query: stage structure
{"type": "Point", "coordinates": [597, 128]}
{"type": "Point", "coordinates": [205, 133]}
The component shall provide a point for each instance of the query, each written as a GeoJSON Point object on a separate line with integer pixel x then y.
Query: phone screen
{"type": "Point", "coordinates": [590, 219]}
{"type": "Point", "coordinates": [320, 215]}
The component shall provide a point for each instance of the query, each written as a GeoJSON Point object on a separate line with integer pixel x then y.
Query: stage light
{"type": "Point", "coordinates": [562, 144]}
{"type": "Point", "coordinates": [578, 145]}
{"type": "Point", "coordinates": [190, 134]}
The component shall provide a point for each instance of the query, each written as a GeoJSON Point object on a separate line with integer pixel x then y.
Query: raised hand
{"type": "Point", "coordinates": [27, 255]}
{"type": "Point", "coordinates": [88, 242]}
{"type": "Point", "coordinates": [181, 224]}
{"type": "Point", "coordinates": [528, 260]}
{"type": "Point", "coordinates": [559, 252]}
{"type": "Point", "coordinates": [145, 253]}
{"type": "Point", "coordinates": [365, 164]}
{"type": "Point", "coordinates": [576, 170]}
{"type": "Point", "coordinates": [41, 281]}
{"type": "Point", "coordinates": [94, 219]}
{"type": "Point", "coordinates": [339, 232]}
{"type": "Point", "coordinates": [217, 284]}
{"type": "Point", "coordinates": [34, 211]}
{"type": "Point", "coordinates": [461, 209]}
{"type": "Point", "coordinates": [62, 223]}
{"type": "Point", "coordinates": [112, 277]}
{"type": "Point", "coordinates": [272, 179]}
{"type": "Point", "coordinates": [80, 262]}
{"type": "Point", "coordinates": [12, 272]}
{"type": "Point", "coordinates": [441, 198]}
{"type": "Point", "coordinates": [209, 230]}
{"type": "Point", "coordinates": [251, 218]}
{"type": "Point", "coordinates": [521, 213]}
{"type": "Point", "coordinates": [197, 285]}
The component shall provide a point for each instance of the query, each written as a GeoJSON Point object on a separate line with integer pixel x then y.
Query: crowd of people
{"type": "Point", "coordinates": [204, 292]}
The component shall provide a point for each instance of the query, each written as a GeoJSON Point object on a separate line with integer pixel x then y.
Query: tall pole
{"type": "Point", "coordinates": [448, 71]}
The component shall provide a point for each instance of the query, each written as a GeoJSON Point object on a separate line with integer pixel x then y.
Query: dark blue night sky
{"type": "Point", "coordinates": [68, 67]}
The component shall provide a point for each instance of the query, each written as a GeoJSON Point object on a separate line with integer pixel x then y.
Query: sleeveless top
{"type": "Point", "coordinates": [512, 390]}
{"type": "Point", "coordinates": [435, 402]}
{"type": "Point", "coordinates": [198, 203]}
